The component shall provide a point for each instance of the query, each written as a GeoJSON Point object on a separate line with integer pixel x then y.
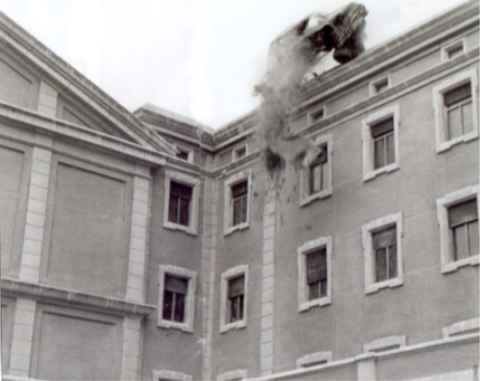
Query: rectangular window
{"type": "Point", "coordinates": [236, 297]}
{"type": "Point", "coordinates": [239, 152]}
{"type": "Point", "coordinates": [179, 204]}
{"type": "Point", "coordinates": [183, 154]}
{"type": "Point", "coordinates": [463, 223]}
{"type": "Point", "coordinates": [316, 115]}
{"type": "Point", "coordinates": [174, 298]}
{"type": "Point", "coordinates": [379, 86]}
{"type": "Point", "coordinates": [239, 202]}
{"type": "Point", "coordinates": [316, 267]}
{"type": "Point", "coordinates": [317, 173]}
{"type": "Point", "coordinates": [385, 253]}
{"type": "Point", "coordinates": [458, 111]}
{"type": "Point", "coordinates": [383, 143]}
{"type": "Point", "coordinates": [452, 51]}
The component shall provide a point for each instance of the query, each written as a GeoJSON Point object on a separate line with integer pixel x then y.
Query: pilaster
{"type": "Point", "coordinates": [132, 344]}
{"type": "Point", "coordinates": [47, 100]}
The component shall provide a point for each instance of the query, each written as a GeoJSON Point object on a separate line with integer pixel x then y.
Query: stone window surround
{"type": "Point", "coordinates": [453, 44]}
{"type": "Point", "coordinates": [170, 375]}
{"type": "Point", "coordinates": [186, 326]}
{"type": "Point", "coordinates": [367, 229]}
{"type": "Point", "coordinates": [315, 358]}
{"type": "Point", "coordinates": [385, 343]}
{"type": "Point", "coordinates": [310, 119]}
{"type": "Point", "coordinates": [445, 85]}
{"type": "Point", "coordinates": [225, 277]}
{"type": "Point", "coordinates": [368, 166]}
{"type": "Point", "coordinates": [461, 327]}
{"type": "Point", "coordinates": [306, 248]}
{"type": "Point", "coordinates": [372, 85]}
{"type": "Point", "coordinates": [187, 149]}
{"type": "Point", "coordinates": [192, 181]}
{"type": "Point", "coordinates": [232, 375]}
{"type": "Point", "coordinates": [227, 197]}
{"type": "Point", "coordinates": [238, 147]}
{"type": "Point", "coordinates": [305, 198]}
{"type": "Point", "coordinates": [443, 203]}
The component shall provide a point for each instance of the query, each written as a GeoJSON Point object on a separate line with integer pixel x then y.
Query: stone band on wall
{"type": "Point", "coordinates": [132, 344]}
{"type": "Point", "coordinates": [36, 212]}
{"type": "Point", "coordinates": [266, 333]}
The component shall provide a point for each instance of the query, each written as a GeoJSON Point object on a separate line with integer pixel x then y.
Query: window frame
{"type": "Point", "coordinates": [235, 152]}
{"type": "Point", "coordinates": [371, 286]}
{"type": "Point", "coordinates": [302, 251]}
{"type": "Point", "coordinates": [186, 149]}
{"type": "Point", "coordinates": [373, 85]}
{"type": "Point", "coordinates": [228, 205]}
{"type": "Point", "coordinates": [194, 182]}
{"type": "Point", "coordinates": [187, 325]}
{"type": "Point", "coordinates": [369, 171]}
{"type": "Point", "coordinates": [170, 375]}
{"type": "Point", "coordinates": [453, 45]}
{"type": "Point", "coordinates": [450, 83]}
{"type": "Point", "coordinates": [314, 359]}
{"type": "Point", "coordinates": [232, 375]}
{"type": "Point", "coordinates": [231, 273]}
{"type": "Point", "coordinates": [443, 204]}
{"type": "Point", "coordinates": [306, 198]}
{"type": "Point", "coordinates": [310, 115]}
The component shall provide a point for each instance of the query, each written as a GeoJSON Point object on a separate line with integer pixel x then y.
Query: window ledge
{"type": "Point", "coordinates": [232, 229]}
{"type": "Point", "coordinates": [446, 145]}
{"type": "Point", "coordinates": [316, 196]}
{"type": "Point", "coordinates": [231, 326]}
{"type": "Point", "coordinates": [325, 301]}
{"type": "Point", "coordinates": [391, 283]}
{"type": "Point", "coordinates": [162, 323]}
{"type": "Point", "coordinates": [370, 175]}
{"type": "Point", "coordinates": [173, 226]}
{"type": "Point", "coordinates": [454, 266]}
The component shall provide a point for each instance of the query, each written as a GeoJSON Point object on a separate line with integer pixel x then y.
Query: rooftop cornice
{"type": "Point", "coordinates": [119, 115]}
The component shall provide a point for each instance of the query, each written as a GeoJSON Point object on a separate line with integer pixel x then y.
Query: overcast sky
{"type": "Point", "coordinates": [199, 58]}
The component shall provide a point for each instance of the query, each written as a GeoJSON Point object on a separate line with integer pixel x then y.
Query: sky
{"type": "Point", "coordinates": [199, 58]}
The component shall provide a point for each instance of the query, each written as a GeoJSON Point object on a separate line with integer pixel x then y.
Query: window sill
{"type": "Point", "coordinates": [380, 171]}
{"type": "Point", "coordinates": [391, 283]}
{"type": "Point", "coordinates": [446, 145]}
{"type": "Point", "coordinates": [174, 325]}
{"type": "Point", "coordinates": [231, 326]}
{"type": "Point", "coordinates": [454, 266]}
{"type": "Point", "coordinates": [186, 229]}
{"type": "Point", "coordinates": [233, 229]}
{"type": "Point", "coordinates": [317, 196]}
{"type": "Point", "coordinates": [305, 306]}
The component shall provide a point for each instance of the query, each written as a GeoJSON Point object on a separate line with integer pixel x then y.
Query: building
{"type": "Point", "coordinates": [146, 246]}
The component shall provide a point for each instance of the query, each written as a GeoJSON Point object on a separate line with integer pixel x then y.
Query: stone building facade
{"type": "Point", "coordinates": [147, 246]}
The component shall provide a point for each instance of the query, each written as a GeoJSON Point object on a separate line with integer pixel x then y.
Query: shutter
{"type": "Point", "coordinates": [176, 284]}
{"type": "Point", "coordinates": [316, 264]}
{"type": "Point", "coordinates": [463, 212]}
{"type": "Point", "coordinates": [467, 117]}
{"type": "Point", "coordinates": [380, 264]}
{"type": "Point", "coordinates": [382, 128]}
{"type": "Point", "coordinates": [184, 211]}
{"type": "Point", "coordinates": [236, 286]}
{"type": "Point", "coordinates": [457, 94]}
{"type": "Point", "coordinates": [473, 237]}
{"type": "Point", "coordinates": [384, 238]}
{"type": "Point", "coordinates": [172, 208]}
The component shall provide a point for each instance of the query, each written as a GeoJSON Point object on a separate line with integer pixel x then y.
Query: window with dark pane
{"type": "Point", "coordinates": [316, 273]}
{"type": "Point", "coordinates": [463, 221]}
{"type": "Point", "coordinates": [383, 143]}
{"type": "Point", "coordinates": [385, 253]}
{"type": "Point", "coordinates": [317, 174]}
{"type": "Point", "coordinates": [240, 152]}
{"type": "Point", "coordinates": [235, 298]}
{"type": "Point", "coordinates": [179, 205]}
{"type": "Point", "coordinates": [174, 298]}
{"type": "Point", "coordinates": [458, 111]}
{"type": "Point", "coordinates": [239, 202]}
{"type": "Point", "coordinates": [380, 85]}
{"type": "Point", "coordinates": [454, 50]}
{"type": "Point", "coordinates": [182, 154]}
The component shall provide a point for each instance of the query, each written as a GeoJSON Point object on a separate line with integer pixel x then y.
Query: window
{"type": "Point", "coordinates": [237, 199]}
{"type": "Point", "coordinates": [239, 152]}
{"type": "Point", "coordinates": [385, 344]}
{"type": "Point", "coordinates": [233, 375]}
{"type": "Point", "coordinates": [181, 202]}
{"type": "Point", "coordinates": [314, 273]}
{"type": "Point", "coordinates": [380, 143]}
{"type": "Point", "coordinates": [176, 297]}
{"type": "Point", "coordinates": [453, 50]}
{"type": "Point", "coordinates": [455, 105]}
{"type": "Point", "coordinates": [457, 215]}
{"type": "Point", "coordinates": [314, 359]}
{"type": "Point", "coordinates": [379, 85]}
{"type": "Point", "coordinates": [316, 172]}
{"type": "Point", "coordinates": [184, 153]}
{"type": "Point", "coordinates": [234, 298]}
{"type": "Point", "coordinates": [316, 114]}
{"type": "Point", "coordinates": [382, 251]}
{"type": "Point", "coordinates": [170, 375]}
